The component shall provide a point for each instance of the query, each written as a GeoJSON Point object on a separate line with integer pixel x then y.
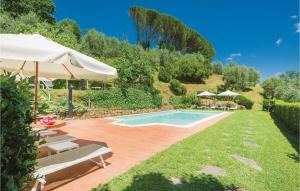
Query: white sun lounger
{"type": "Point", "coordinates": [45, 133]}
{"type": "Point", "coordinates": [56, 139]}
{"type": "Point", "coordinates": [53, 163]}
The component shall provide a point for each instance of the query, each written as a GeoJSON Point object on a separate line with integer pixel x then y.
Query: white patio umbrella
{"type": "Point", "coordinates": [206, 94]}
{"type": "Point", "coordinates": [33, 54]}
{"type": "Point", "coordinates": [228, 93]}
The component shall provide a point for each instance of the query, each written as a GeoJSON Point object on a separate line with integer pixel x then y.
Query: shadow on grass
{"type": "Point", "coordinates": [291, 136]}
{"type": "Point", "coordinates": [157, 182]}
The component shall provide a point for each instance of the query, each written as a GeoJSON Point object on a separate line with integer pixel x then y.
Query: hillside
{"type": "Point", "coordinates": [210, 84]}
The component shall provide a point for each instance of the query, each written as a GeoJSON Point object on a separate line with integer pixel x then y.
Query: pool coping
{"type": "Point", "coordinates": [116, 121]}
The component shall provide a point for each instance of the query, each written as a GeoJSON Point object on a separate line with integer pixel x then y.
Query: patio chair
{"type": "Point", "coordinates": [54, 163]}
{"type": "Point", "coordinates": [56, 139]}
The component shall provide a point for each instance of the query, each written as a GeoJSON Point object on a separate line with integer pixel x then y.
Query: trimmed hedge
{"type": "Point", "coordinates": [131, 98]}
{"type": "Point", "coordinates": [288, 113]}
{"type": "Point", "coordinates": [241, 100]}
{"type": "Point", "coordinates": [177, 88]}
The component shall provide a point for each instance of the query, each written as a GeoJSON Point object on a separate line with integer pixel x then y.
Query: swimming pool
{"type": "Point", "coordinates": [183, 119]}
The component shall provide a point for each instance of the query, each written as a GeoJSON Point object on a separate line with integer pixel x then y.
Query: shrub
{"type": "Point", "coordinates": [177, 88]}
{"type": "Point", "coordinates": [185, 101]}
{"type": "Point", "coordinates": [164, 75]}
{"type": "Point", "coordinates": [131, 98]}
{"type": "Point", "coordinates": [268, 105]}
{"type": "Point", "coordinates": [60, 107]}
{"type": "Point", "coordinates": [241, 100]}
{"type": "Point", "coordinates": [18, 150]}
{"type": "Point", "coordinates": [288, 113]}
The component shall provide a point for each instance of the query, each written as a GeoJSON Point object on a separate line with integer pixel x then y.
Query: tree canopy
{"type": "Point", "coordinates": [168, 32]}
{"type": "Point", "coordinates": [44, 9]}
{"type": "Point", "coordinates": [285, 87]}
{"type": "Point", "coordinates": [240, 77]}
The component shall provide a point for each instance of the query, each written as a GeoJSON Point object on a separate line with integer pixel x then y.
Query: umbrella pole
{"type": "Point", "coordinates": [36, 90]}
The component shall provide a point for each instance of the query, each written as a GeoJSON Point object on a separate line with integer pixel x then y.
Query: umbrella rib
{"type": "Point", "coordinates": [68, 70]}
{"type": "Point", "coordinates": [23, 65]}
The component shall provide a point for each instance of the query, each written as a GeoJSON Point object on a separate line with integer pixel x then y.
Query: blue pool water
{"type": "Point", "coordinates": [171, 118]}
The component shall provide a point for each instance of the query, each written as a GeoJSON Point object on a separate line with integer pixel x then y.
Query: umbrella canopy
{"type": "Point", "coordinates": [35, 55]}
{"type": "Point", "coordinates": [20, 52]}
{"type": "Point", "coordinates": [206, 94]}
{"type": "Point", "coordinates": [228, 93]}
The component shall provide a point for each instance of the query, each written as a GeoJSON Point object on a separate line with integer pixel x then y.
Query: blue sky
{"type": "Point", "coordinates": [258, 33]}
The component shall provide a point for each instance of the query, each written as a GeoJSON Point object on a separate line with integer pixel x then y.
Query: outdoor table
{"type": "Point", "coordinates": [46, 133]}
{"type": "Point", "coordinates": [60, 147]}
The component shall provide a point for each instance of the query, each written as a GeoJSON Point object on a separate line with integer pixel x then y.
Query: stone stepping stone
{"type": "Point", "coordinates": [175, 181]}
{"type": "Point", "coordinates": [227, 134]}
{"type": "Point", "coordinates": [248, 132]}
{"type": "Point", "coordinates": [250, 143]}
{"type": "Point", "coordinates": [213, 170]}
{"type": "Point", "coordinates": [249, 162]}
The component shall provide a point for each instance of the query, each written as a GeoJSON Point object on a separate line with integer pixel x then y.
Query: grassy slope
{"type": "Point", "coordinates": [255, 95]}
{"type": "Point", "coordinates": [275, 155]}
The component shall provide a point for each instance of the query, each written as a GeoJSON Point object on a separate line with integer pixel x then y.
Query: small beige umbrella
{"type": "Point", "coordinates": [206, 94]}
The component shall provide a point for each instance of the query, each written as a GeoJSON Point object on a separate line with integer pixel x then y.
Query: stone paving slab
{"type": "Point", "coordinates": [213, 170]}
{"type": "Point", "coordinates": [249, 162]}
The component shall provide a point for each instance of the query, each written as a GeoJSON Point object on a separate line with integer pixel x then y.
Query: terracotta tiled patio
{"type": "Point", "coordinates": [130, 147]}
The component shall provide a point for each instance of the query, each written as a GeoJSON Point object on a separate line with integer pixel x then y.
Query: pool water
{"type": "Point", "coordinates": [182, 119]}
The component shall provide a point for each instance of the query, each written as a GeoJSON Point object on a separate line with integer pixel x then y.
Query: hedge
{"type": "Point", "coordinates": [18, 149]}
{"type": "Point", "coordinates": [288, 113]}
{"type": "Point", "coordinates": [186, 101]}
{"type": "Point", "coordinates": [241, 100]}
{"type": "Point", "coordinates": [131, 98]}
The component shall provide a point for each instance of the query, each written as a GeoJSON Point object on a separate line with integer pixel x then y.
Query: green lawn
{"type": "Point", "coordinates": [276, 154]}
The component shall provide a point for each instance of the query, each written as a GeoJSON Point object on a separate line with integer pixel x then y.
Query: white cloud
{"type": "Point", "coordinates": [298, 27]}
{"type": "Point", "coordinates": [294, 17]}
{"type": "Point", "coordinates": [235, 54]}
{"type": "Point", "coordinates": [278, 73]}
{"type": "Point", "coordinates": [278, 41]}
{"type": "Point", "coordinates": [232, 56]}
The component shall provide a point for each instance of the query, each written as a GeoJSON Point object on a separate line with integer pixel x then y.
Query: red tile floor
{"type": "Point", "coordinates": [130, 147]}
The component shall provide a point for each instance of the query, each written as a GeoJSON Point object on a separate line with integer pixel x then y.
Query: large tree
{"type": "Point", "coordinates": [240, 77]}
{"type": "Point", "coordinates": [168, 32]}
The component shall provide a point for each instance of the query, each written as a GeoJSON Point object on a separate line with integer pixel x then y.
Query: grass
{"type": "Point", "coordinates": [276, 154]}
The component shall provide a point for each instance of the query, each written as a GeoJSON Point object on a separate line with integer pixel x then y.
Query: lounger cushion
{"type": "Point", "coordinates": [66, 159]}
{"type": "Point", "coordinates": [57, 139]}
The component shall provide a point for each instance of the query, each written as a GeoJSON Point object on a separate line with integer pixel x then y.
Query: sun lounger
{"type": "Point", "coordinates": [57, 139]}
{"type": "Point", "coordinates": [46, 133]}
{"type": "Point", "coordinates": [233, 108]}
{"type": "Point", "coordinates": [37, 129]}
{"type": "Point", "coordinates": [213, 107]}
{"type": "Point", "coordinates": [61, 147]}
{"type": "Point", "coordinates": [54, 163]}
